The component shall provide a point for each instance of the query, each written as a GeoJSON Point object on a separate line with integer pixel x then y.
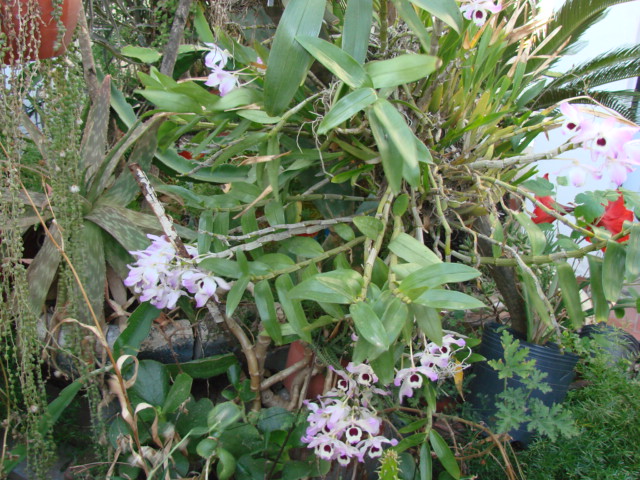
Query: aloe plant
{"type": "Point", "coordinates": [110, 228]}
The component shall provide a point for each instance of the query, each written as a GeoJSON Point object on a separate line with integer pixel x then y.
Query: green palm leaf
{"type": "Point", "coordinates": [572, 21]}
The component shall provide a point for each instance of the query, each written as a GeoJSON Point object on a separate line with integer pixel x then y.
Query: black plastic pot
{"type": "Point", "coordinates": [485, 385]}
{"type": "Point", "coordinates": [615, 342]}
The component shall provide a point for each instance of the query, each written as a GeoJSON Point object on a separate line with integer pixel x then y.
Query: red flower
{"type": "Point", "coordinates": [185, 154]}
{"type": "Point", "coordinates": [615, 214]}
{"type": "Point", "coordinates": [540, 216]}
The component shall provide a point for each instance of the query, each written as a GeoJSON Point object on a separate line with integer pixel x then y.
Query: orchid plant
{"type": "Point", "coordinates": [361, 181]}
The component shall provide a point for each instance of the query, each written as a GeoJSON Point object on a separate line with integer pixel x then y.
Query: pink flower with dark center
{"type": "Point", "coordinates": [477, 10]}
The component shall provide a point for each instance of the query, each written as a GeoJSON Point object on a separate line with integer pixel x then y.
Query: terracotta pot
{"type": "Point", "coordinates": [13, 15]}
{"type": "Point", "coordinates": [316, 384]}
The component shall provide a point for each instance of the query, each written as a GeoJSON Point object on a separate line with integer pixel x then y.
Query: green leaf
{"type": "Point", "coordinates": [205, 228]}
{"type": "Point", "coordinates": [288, 61]}
{"type": "Point", "coordinates": [42, 270]}
{"type": "Point", "coordinates": [536, 236]}
{"type": "Point", "coordinates": [152, 384]}
{"type": "Point", "coordinates": [223, 267]}
{"type": "Point", "coordinates": [204, 367]}
{"type": "Point", "coordinates": [267, 310]}
{"type": "Point", "coordinates": [58, 405]}
{"type": "Point", "coordinates": [448, 300]}
{"type": "Point", "coordinates": [337, 61]}
{"type": "Point", "coordinates": [138, 328]}
{"type": "Point", "coordinates": [178, 394]}
{"type": "Point", "coordinates": [412, 251]}
{"type": "Point", "coordinates": [632, 262]}
{"type": "Point", "coordinates": [401, 70]}
{"type": "Point", "coordinates": [357, 28]}
{"type": "Point", "coordinates": [570, 294]}
{"type": "Point", "coordinates": [400, 205]}
{"type": "Point", "coordinates": [193, 421]}
{"type": "Point", "coordinates": [426, 467]}
{"type": "Point", "coordinates": [93, 272]}
{"type": "Point", "coordinates": [344, 231]}
{"type": "Point", "coordinates": [444, 454]}
{"type": "Point", "coordinates": [435, 275]}
{"type": "Point", "coordinates": [206, 447]}
{"type": "Point", "coordinates": [612, 270]}
{"type": "Point", "coordinates": [222, 416]}
{"type": "Point", "coordinates": [226, 466]}
{"type": "Point", "coordinates": [201, 25]}
{"type": "Point", "coordinates": [304, 247]}
{"type": "Point", "coordinates": [429, 321]}
{"type": "Point", "coordinates": [144, 54]}
{"type": "Point", "coordinates": [394, 137]}
{"type": "Point", "coordinates": [347, 107]}
{"type": "Point", "coordinates": [258, 116]}
{"type": "Point", "coordinates": [274, 419]}
{"type": "Point", "coordinates": [235, 294]}
{"type": "Point", "coordinates": [369, 325]}
{"type": "Point", "coordinates": [338, 286]}
{"type": "Point", "coordinates": [292, 308]}
{"type": "Point", "coordinates": [446, 10]}
{"type": "Point", "coordinates": [371, 227]}
{"type": "Point", "coordinates": [413, 21]}
{"type": "Point", "coordinates": [94, 139]}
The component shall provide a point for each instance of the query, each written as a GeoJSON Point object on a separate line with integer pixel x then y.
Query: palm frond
{"type": "Point", "coordinates": [572, 21]}
{"type": "Point", "coordinates": [608, 67]}
{"type": "Point", "coordinates": [625, 102]}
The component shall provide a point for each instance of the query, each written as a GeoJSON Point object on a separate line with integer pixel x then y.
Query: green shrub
{"type": "Point", "coordinates": [606, 411]}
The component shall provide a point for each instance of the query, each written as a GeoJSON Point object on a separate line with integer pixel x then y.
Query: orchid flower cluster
{"type": "Point", "coordinates": [435, 362]}
{"type": "Point", "coordinates": [478, 10]}
{"type": "Point", "coordinates": [161, 277]}
{"type": "Point", "coordinates": [216, 59]}
{"type": "Point", "coordinates": [342, 424]}
{"type": "Point", "coordinates": [608, 141]}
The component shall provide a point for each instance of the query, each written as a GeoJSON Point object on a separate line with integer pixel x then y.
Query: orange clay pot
{"type": "Point", "coordinates": [14, 15]}
{"type": "Point", "coordinates": [316, 384]}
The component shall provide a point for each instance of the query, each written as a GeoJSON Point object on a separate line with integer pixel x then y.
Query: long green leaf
{"type": "Point", "coordinates": [401, 70]}
{"type": "Point", "coordinates": [434, 276]}
{"type": "Point", "coordinates": [444, 454]}
{"type": "Point", "coordinates": [412, 251]}
{"type": "Point", "coordinates": [125, 189]}
{"type": "Point", "coordinates": [570, 294]}
{"type": "Point", "coordinates": [536, 236]}
{"type": "Point", "coordinates": [392, 130]}
{"type": "Point", "coordinates": [337, 61]}
{"type": "Point", "coordinates": [94, 139]}
{"type": "Point", "coordinates": [446, 10]}
{"type": "Point", "coordinates": [632, 262]}
{"type": "Point", "coordinates": [448, 300]}
{"type": "Point", "coordinates": [292, 308]}
{"type": "Point", "coordinates": [178, 394]}
{"type": "Point", "coordinates": [204, 367]}
{"type": "Point", "coordinates": [235, 294]}
{"type": "Point", "coordinates": [411, 18]}
{"type": "Point", "coordinates": [267, 310]}
{"type": "Point", "coordinates": [93, 272]}
{"type": "Point", "coordinates": [42, 271]}
{"type": "Point", "coordinates": [289, 62]}
{"type": "Point", "coordinates": [357, 28]}
{"type": "Point", "coordinates": [369, 325]}
{"type": "Point", "coordinates": [125, 232]}
{"type": "Point", "coordinates": [347, 107]}
{"type": "Point", "coordinates": [138, 328]}
{"type": "Point", "coordinates": [428, 320]}
{"type": "Point", "coordinates": [600, 305]}
{"type": "Point", "coordinates": [612, 270]}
